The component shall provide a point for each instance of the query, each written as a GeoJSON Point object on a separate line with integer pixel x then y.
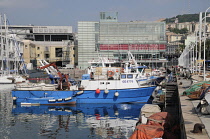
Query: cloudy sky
{"type": "Point", "coordinates": [69, 12]}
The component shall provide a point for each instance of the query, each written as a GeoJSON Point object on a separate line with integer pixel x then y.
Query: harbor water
{"type": "Point", "coordinates": [81, 121]}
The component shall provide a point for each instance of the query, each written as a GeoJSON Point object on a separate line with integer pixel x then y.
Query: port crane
{"type": "Point", "coordinates": [63, 78]}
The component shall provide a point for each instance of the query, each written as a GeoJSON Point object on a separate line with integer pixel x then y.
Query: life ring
{"type": "Point", "coordinates": [110, 73]}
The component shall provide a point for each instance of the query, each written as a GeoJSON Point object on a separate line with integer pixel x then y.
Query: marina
{"type": "Point", "coordinates": [101, 120]}
{"type": "Point", "coordinates": [105, 79]}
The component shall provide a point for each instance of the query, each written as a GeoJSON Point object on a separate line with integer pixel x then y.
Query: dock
{"type": "Point", "coordinates": [183, 108]}
{"type": "Point", "coordinates": [190, 114]}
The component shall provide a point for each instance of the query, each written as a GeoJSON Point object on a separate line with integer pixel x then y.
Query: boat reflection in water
{"type": "Point", "coordinates": [86, 120]}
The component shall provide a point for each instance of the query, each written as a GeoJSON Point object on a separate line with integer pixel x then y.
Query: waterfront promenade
{"type": "Point", "coordinates": [190, 114]}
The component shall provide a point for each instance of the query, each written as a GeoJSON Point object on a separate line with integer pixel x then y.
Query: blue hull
{"type": "Point", "coordinates": [43, 97]}
{"type": "Point", "coordinates": [137, 95]}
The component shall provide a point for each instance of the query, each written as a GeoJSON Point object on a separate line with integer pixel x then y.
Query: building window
{"type": "Point", "coordinates": [26, 46]}
{"type": "Point", "coordinates": [38, 48]}
{"type": "Point", "coordinates": [47, 55]}
{"type": "Point", "coordinates": [58, 52]}
{"type": "Point", "coordinates": [47, 37]}
{"type": "Point", "coordinates": [46, 48]}
{"type": "Point", "coordinates": [38, 55]}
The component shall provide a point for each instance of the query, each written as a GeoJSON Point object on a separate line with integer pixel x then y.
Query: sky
{"type": "Point", "coordinates": [69, 12]}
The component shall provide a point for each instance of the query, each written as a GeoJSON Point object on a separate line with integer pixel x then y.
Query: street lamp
{"type": "Point", "coordinates": [204, 67]}
{"type": "Point", "coordinates": [204, 35]}
{"type": "Point", "coordinates": [193, 56]}
{"type": "Point", "coordinates": [196, 49]}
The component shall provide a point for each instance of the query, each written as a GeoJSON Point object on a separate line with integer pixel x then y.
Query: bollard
{"type": "Point", "coordinates": [198, 128]}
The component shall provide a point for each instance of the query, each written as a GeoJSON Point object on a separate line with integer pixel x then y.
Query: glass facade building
{"type": "Point", "coordinates": [112, 39]}
{"type": "Point", "coordinates": [87, 40]}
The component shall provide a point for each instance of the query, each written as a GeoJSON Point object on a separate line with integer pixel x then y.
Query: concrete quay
{"type": "Point", "coordinates": [190, 114]}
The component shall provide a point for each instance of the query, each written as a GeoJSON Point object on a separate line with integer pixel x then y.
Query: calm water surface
{"type": "Point", "coordinates": [81, 121]}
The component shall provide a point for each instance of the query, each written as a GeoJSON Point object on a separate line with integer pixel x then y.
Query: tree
{"type": "Point", "coordinates": [183, 31]}
{"type": "Point", "coordinates": [181, 48]}
{"type": "Point", "coordinates": [178, 31]}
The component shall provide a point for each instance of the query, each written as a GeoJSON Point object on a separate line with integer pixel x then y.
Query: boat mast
{"type": "Point", "coordinates": [6, 45]}
{"type": "Point", "coordinates": [2, 47]}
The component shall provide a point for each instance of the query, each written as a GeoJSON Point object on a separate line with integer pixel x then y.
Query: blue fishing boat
{"type": "Point", "coordinates": [101, 84]}
{"type": "Point", "coordinates": [118, 88]}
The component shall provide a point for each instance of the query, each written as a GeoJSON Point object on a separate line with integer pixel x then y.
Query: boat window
{"type": "Point", "coordinates": [140, 69]}
{"type": "Point", "coordinates": [123, 76]}
{"type": "Point", "coordinates": [101, 82]}
{"type": "Point", "coordinates": [79, 84]}
{"type": "Point", "coordinates": [130, 76]}
{"type": "Point", "coordinates": [99, 65]}
{"type": "Point", "coordinates": [107, 82]}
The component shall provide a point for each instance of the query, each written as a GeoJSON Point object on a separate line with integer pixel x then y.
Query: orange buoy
{"type": "Point", "coordinates": [97, 116]}
{"type": "Point", "coordinates": [110, 73]}
{"type": "Point", "coordinates": [122, 70]}
{"type": "Point", "coordinates": [98, 91]}
{"type": "Point", "coordinates": [116, 70]}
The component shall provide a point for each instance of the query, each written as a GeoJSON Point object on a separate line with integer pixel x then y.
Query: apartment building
{"type": "Point", "coordinates": [50, 43]}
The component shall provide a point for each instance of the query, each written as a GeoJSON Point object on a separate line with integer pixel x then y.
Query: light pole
{"type": "Point", "coordinates": [204, 35]}
{"type": "Point", "coordinates": [193, 57]}
{"type": "Point", "coordinates": [200, 30]}
{"type": "Point", "coordinates": [196, 49]}
{"type": "Point", "coordinates": [204, 32]}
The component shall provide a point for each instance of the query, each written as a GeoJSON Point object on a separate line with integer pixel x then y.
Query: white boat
{"type": "Point", "coordinates": [10, 79]}
{"type": "Point", "coordinates": [143, 77]}
{"type": "Point", "coordinates": [6, 76]}
{"type": "Point", "coordinates": [6, 79]}
{"type": "Point", "coordinates": [35, 86]}
{"type": "Point", "coordinates": [104, 65]}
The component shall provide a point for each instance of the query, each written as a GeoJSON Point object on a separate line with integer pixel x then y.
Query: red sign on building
{"type": "Point", "coordinates": [132, 47]}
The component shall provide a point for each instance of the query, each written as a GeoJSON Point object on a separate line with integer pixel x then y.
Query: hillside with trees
{"type": "Point", "coordinates": [185, 18]}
